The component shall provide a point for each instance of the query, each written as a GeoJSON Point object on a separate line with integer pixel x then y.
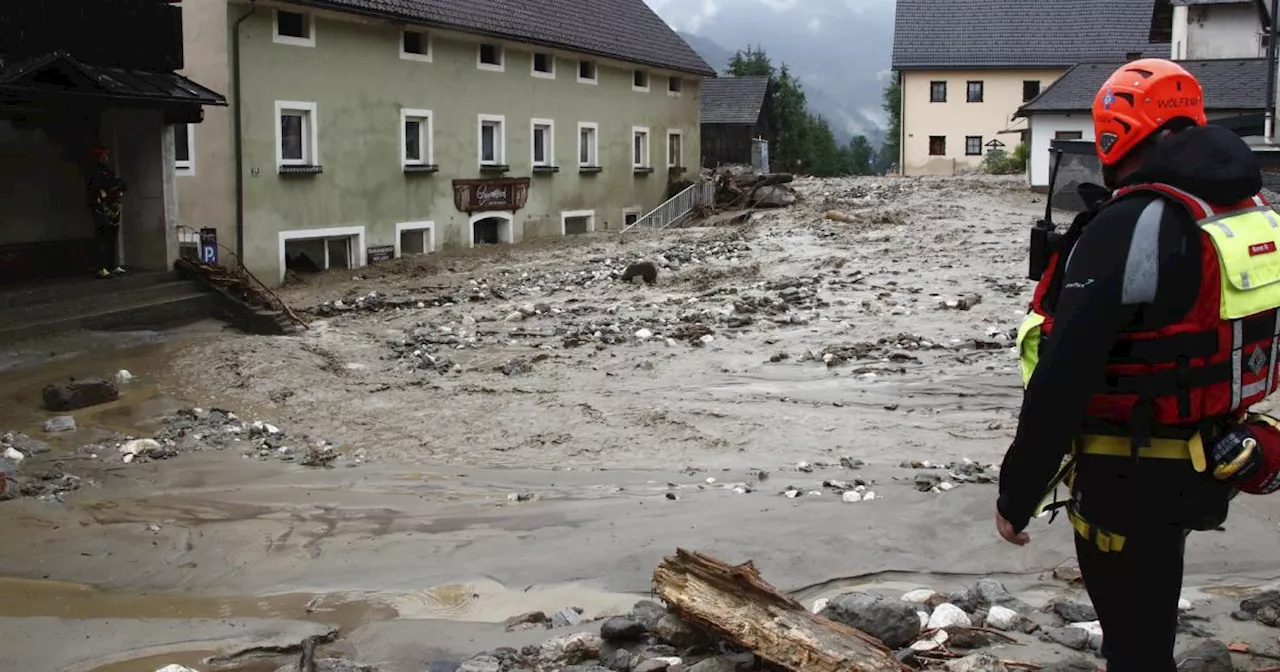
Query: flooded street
{"type": "Point", "coordinates": [518, 431]}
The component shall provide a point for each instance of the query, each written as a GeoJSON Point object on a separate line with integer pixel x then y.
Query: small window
{"type": "Point", "coordinates": [543, 142]}
{"type": "Point", "coordinates": [297, 125]}
{"type": "Point", "coordinates": [418, 149]}
{"type": "Point", "coordinates": [183, 149]}
{"type": "Point", "coordinates": [416, 238]}
{"type": "Point", "coordinates": [415, 45]}
{"type": "Point", "coordinates": [675, 85]}
{"type": "Point", "coordinates": [294, 28]}
{"type": "Point", "coordinates": [937, 92]}
{"type": "Point", "coordinates": [587, 72]}
{"type": "Point", "coordinates": [492, 141]}
{"type": "Point", "coordinates": [974, 92]}
{"type": "Point", "coordinates": [1030, 89]}
{"type": "Point", "coordinates": [490, 57]}
{"type": "Point", "coordinates": [937, 145]}
{"type": "Point", "coordinates": [640, 80]}
{"type": "Point", "coordinates": [1068, 135]}
{"type": "Point", "coordinates": [630, 217]}
{"type": "Point", "coordinates": [973, 145]}
{"type": "Point", "coordinates": [675, 149]}
{"type": "Point", "coordinates": [640, 147]}
{"type": "Point", "coordinates": [587, 146]}
{"type": "Point", "coordinates": [544, 65]}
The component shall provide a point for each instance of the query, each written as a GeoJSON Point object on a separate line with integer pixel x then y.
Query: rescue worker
{"type": "Point", "coordinates": [106, 191]}
{"type": "Point", "coordinates": [1150, 335]}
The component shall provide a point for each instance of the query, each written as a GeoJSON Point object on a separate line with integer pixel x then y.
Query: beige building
{"type": "Point", "coordinates": [967, 67]}
{"type": "Point", "coordinates": [362, 130]}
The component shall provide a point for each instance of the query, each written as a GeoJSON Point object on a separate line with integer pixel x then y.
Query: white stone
{"type": "Point", "coordinates": [947, 615]}
{"type": "Point", "coordinates": [271, 429]}
{"type": "Point", "coordinates": [123, 376]}
{"type": "Point", "coordinates": [175, 668]}
{"type": "Point", "coordinates": [1002, 618]}
{"type": "Point", "coordinates": [514, 316]}
{"type": "Point", "coordinates": [707, 339]}
{"type": "Point", "coordinates": [129, 458]}
{"type": "Point", "coordinates": [1184, 605]}
{"type": "Point", "coordinates": [868, 496]}
{"type": "Point", "coordinates": [14, 455]}
{"type": "Point", "coordinates": [936, 640]}
{"type": "Point", "coordinates": [820, 604]}
{"type": "Point", "coordinates": [792, 494]}
{"type": "Point", "coordinates": [919, 596]}
{"type": "Point", "coordinates": [945, 486]}
{"type": "Point", "coordinates": [644, 334]}
{"type": "Point", "coordinates": [671, 342]}
{"type": "Point", "coordinates": [741, 490]}
{"type": "Point", "coordinates": [851, 497]}
{"type": "Point", "coordinates": [138, 446]}
{"type": "Point", "coordinates": [710, 480]}
{"type": "Point", "coordinates": [924, 619]}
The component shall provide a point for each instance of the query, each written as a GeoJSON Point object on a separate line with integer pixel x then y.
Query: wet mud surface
{"type": "Point", "coordinates": [521, 431]}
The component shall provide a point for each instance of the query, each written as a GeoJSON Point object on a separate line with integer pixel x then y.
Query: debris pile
{"type": "Point", "coordinates": [198, 429]}
{"type": "Point", "coordinates": [19, 479]}
{"type": "Point", "coordinates": [740, 186]}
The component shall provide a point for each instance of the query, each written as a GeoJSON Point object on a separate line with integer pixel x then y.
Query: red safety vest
{"type": "Point", "coordinates": [1205, 366]}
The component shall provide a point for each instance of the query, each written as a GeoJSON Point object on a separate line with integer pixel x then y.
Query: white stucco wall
{"type": "Point", "coordinates": [1043, 128]}
{"type": "Point", "coordinates": [1230, 30]}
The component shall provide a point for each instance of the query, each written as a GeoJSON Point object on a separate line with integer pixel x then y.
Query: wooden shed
{"type": "Point", "coordinates": [737, 116]}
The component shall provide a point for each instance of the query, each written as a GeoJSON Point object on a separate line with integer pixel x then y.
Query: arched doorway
{"type": "Point", "coordinates": [491, 228]}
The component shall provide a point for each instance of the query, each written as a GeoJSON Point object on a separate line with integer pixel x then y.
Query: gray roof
{"type": "Point", "coordinates": [733, 100]}
{"type": "Point", "coordinates": [626, 30]}
{"type": "Point", "coordinates": [1229, 84]}
{"type": "Point", "coordinates": [1176, 3]}
{"type": "Point", "coordinates": [950, 34]}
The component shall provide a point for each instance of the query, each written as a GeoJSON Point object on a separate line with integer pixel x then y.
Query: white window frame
{"type": "Point", "coordinates": [676, 163]}
{"type": "Point", "coordinates": [551, 142]}
{"type": "Point", "coordinates": [648, 80]}
{"type": "Point", "coordinates": [500, 142]}
{"type": "Point", "coordinates": [510, 219]}
{"type": "Point", "coordinates": [533, 65]}
{"type": "Point", "coordinates": [678, 92]}
{"type": "Point", "coordinates": [311, 145]}
{"type": "Point", "coordinates": [595, 70]}
{"type": "Point", "coordinates": [565, 215]}
{"type": "Point", "coordinates": [428, 142]}
{"type": "Point", "coordinates": [289, 39]}
{"type": "Point", "coordinates": [426, 225]}
{"type": "Point", "coordinates": [633, 210]}
{"type": "Point", "coordinates": [648, 147]}
{"type": "Point", "coordinates": [188, 167]}
{"type": "Point", "coordinates": [595, 144]}
{"type": "Point", "coordinates": [502, 57]}
{"type": "Point", "coordinates": [358, 254]}
{"type": "Point", "coordinates": [427, 37]}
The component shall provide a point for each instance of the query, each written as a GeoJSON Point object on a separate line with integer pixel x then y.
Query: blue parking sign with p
{"type": "Point", "coordinates": [209, 246]}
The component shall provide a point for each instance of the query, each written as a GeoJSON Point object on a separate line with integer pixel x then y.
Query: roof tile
{"type": "Point", "coordinates": [733, 100]}
{"type": "Point", "coordinates": [1229, 84]}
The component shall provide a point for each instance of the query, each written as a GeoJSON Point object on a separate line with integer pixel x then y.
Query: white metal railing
{"type": "Point", "coordinates": [677, 207]}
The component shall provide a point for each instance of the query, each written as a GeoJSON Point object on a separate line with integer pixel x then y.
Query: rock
{"type": "Point", "coordinates": [1002, 618]}
{"type": "Point", "coordinates": [820, 604]}
{"type": "Point", "coordinates": [851, 497]}
{"type": "Point", "coordinates": [443, 666]}
{"type": "Point", "coordinates": [526, 621]}
{"type": "Point", "coordinates": [571, 649]}
{"type": "Point", "coordinates": [935, 641]}
{"type": "Point", "coordinates": [1094, 628]}
{"type": "Point", "coordinates": [481, 664]}
{"type": "Point", "coordinates": [62, 423]}
{"type": "Point", "coordinates": [1072, 638]}
{"type": "Point", "coordinates": [1253, 605]}
{"type": "Point", "coordinates": [123, 376]}
{"type": "Point", "coordinates": [657, 664]}
{"type": "Point", "coordinates": [893, 622]}
{"type": "Point", "coordinates": [676, 632]}
{"type": "Point", "coordinates": [649, 653]}
{"type": "Point", "coordinates": [775, 196]}
{"type": "Point", "coordinates": [14, 455]}
{"type": "Point", "coordinates": [622, 629]}
{"type": "Point", "coordinates": [978, 662]}
{"type": "Point", "coordinates": [1068, 573]}
{"type": "Point", "coordinates": [621, 661]}
{"type": "Point", "coordinates": [140, 447]}
{"type": "Point", "coordinates": [1074, 612]}
{"type": "Point", "coordinates": [79, 394]}
{"type": "Point", "coordinates": [648, 613]}
{"type": "Point", "coordinates": [947, 615]}
{"type": "Point", "coordinates": [920, 596]}
{"type": "Point", "coordinates": [1072, 665]}
{"type": "Point", "coordinates": [990, 592]}
{"type": "Point", "coordinates": [644, 334]}
{"type": "Point", "coordinates": [724, 663]}
{"type": "Point", "coordinates": [565, 618]}
{"type": "Point", "coordinates": [1210, 655]}
{"type": "Point", "coordinates": [1184, 605]}
{"type": "Point", "coordinates": [175, 668]}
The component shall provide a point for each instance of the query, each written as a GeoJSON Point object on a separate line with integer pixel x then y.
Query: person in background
{"type": "Point", "coordinates": [106, 191]}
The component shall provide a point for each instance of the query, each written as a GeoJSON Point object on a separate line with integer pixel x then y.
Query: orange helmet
{"type": "Point", "coordinates": [1139, 98]}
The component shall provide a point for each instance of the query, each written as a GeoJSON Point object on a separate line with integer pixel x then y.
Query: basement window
{"type": "Point", "coordinates": [578, 222]}
{"type": "Point", "coordinates": [294, 28]}
{"type": "Point", "coordinates": [415, 238]}
{"type": "Point", "coordinates": [490, 57]}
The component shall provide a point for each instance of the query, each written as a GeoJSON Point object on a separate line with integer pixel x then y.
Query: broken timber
{"type": "Point", "coordinates": [735, 603]}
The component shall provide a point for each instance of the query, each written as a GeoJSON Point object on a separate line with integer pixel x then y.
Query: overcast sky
{"type": "Point", "coordinates": [691, 15]}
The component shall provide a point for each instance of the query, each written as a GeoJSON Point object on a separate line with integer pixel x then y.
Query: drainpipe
{"type": "Point", "coordinates": [1270, 123]}
{"type": "Point", "coordinates": [236, 133]}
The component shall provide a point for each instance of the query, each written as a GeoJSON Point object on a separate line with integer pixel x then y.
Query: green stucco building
{"type": "Point", "coordinates": [368, 127]}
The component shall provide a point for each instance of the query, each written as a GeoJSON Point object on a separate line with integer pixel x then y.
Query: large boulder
{"type": "Point", "coordinates": [1210, 655]}
{"type": "Point", "coordinates": [79, 394]}
{"type": "Point", "coordinates": [893, 622]}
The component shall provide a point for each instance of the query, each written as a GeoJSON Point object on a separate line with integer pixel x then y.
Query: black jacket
{"type": "Point", "coordinates": [1095, 305]}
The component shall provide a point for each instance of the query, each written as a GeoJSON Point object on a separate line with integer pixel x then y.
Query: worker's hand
{"type": "Point", "coordinates": [1005, 528]}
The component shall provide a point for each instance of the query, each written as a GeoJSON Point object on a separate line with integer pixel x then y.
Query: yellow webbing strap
{"type": "Point", "coordinates": [1065, 472]}
{"type": "Point", "coordinates": [1106, 541]}
{"type": "Point", "coordinates": [1162, 449]}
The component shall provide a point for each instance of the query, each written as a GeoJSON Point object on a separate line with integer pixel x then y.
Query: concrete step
{"type": "Point", "coordinates": [53, 291]}
{"type": "Point", "coordinates": [147, 312]}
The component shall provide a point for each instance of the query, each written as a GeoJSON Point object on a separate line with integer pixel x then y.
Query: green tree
{"type": "Point", "coordinates": [891, 103]}
{"type": "Point", "coordinates": [860, 157]}
{"type": "Point", "coordinates": [752, 62]}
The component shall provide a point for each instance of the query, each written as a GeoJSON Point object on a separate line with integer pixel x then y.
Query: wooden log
{"type": "Point", "coordinates": [735, 603]}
